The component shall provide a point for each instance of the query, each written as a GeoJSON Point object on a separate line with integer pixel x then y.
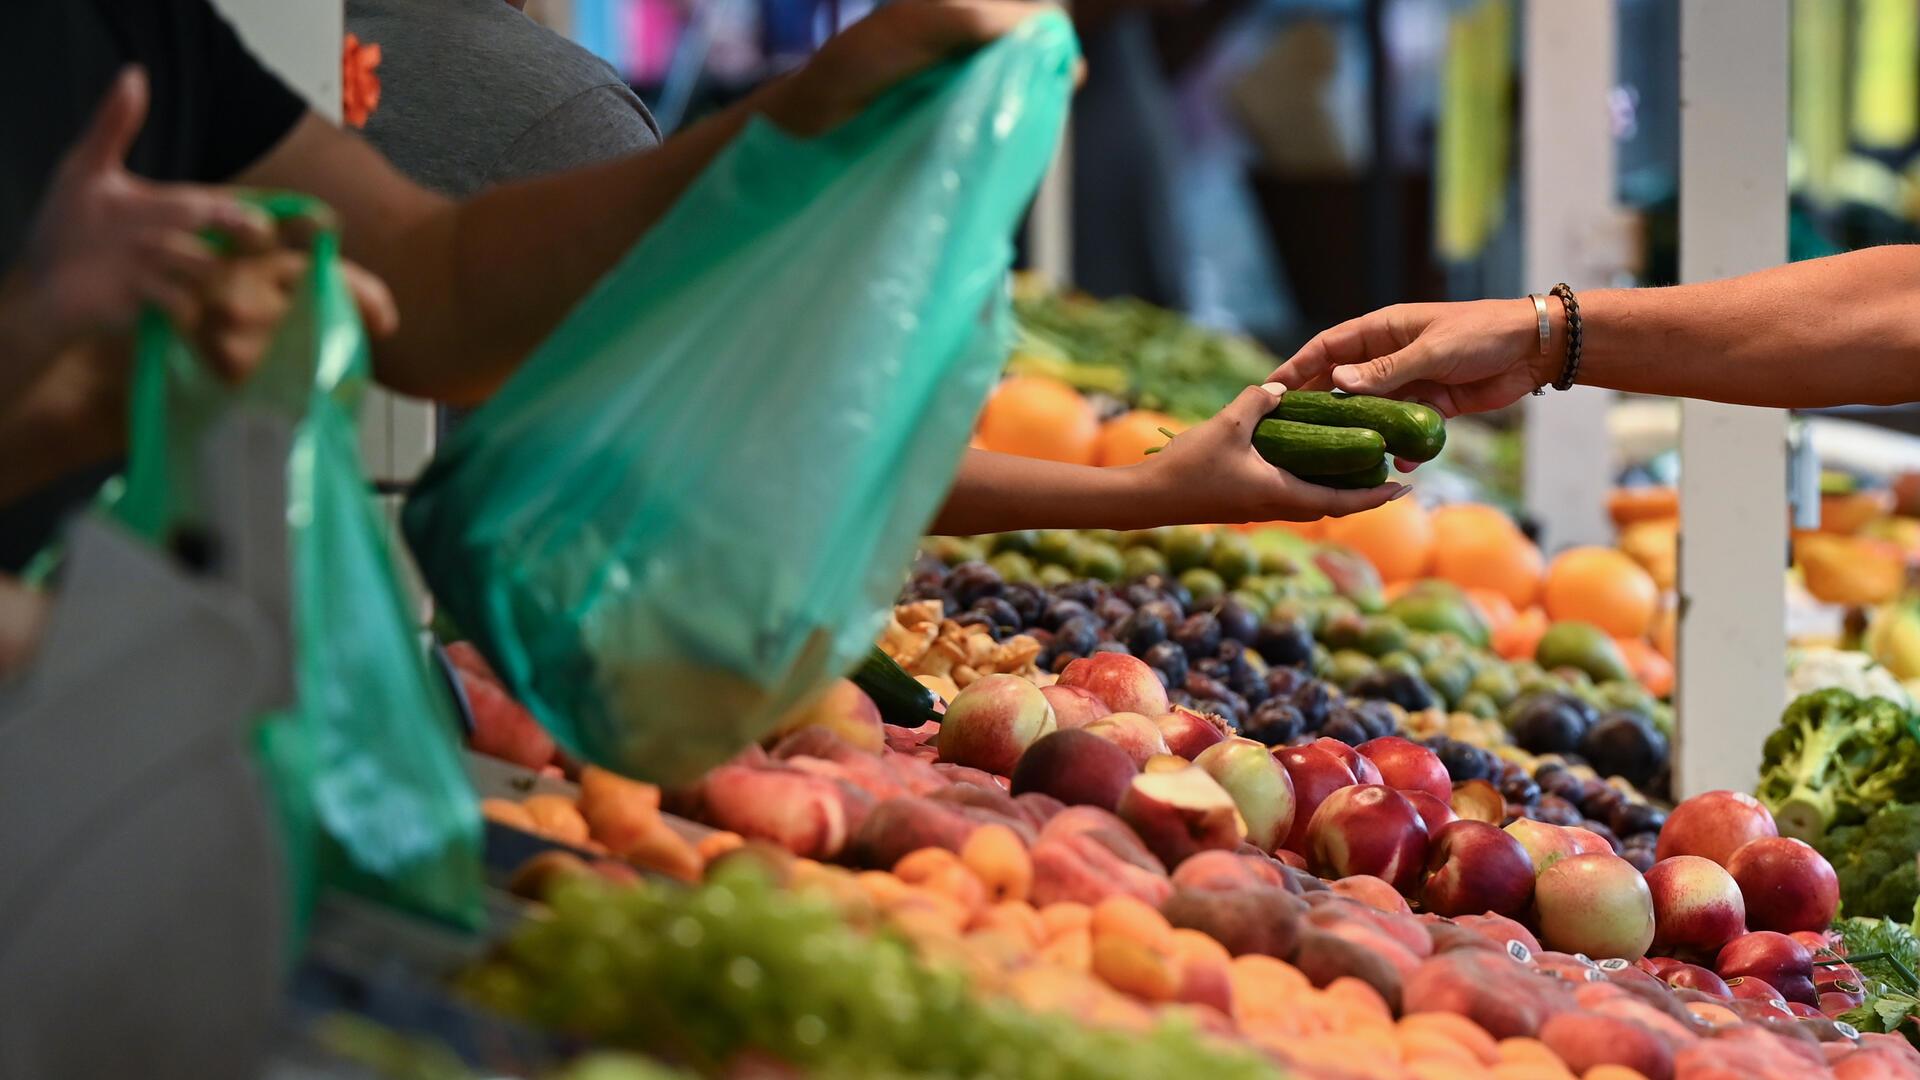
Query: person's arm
{"type": "Point", "coordinates": [1836, 331]}
{"type": "Point", "coordinates": [1209, 474]}
{"type": "Point", "coordinates": [480, 283]}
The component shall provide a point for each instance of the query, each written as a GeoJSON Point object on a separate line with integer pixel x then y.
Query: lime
{"type": "Point", "coordinates": [1055, 546]}
{"type": "Point", "coordinates": [1399, 662]}
{"type": "Point", "coordinates": [1346, 667]}
{"type": "Point", "coordinates": [1053, 574]}
{"type": "Point", "coordinates": [954, 550]}
{"type": "Point", "coordinates": [1012, 566]}
{"type": "Point", "coordinates": [1204, 584]}
{"type": "Point", "coordinates": [1138, 562]}
{"type": "Point", "coordinates": [1188, 547]}
{"type": "Point", "coordinates": [1252, 601]}
{"type": "Point", "coordinates": [1021, 540]}
{"type": "Point", "coordinates": [1099, 560]}
{"type": "Point", "coordinates": [1496, 681]}
{"type": "Point", "coordinates": [1381, 634]}
{"type": "Point", "coordinates": [1449, 675]}
{"type": "Point", "coordinates": [1233, 557]}
{"type": "Point", "coordinates": [1278, 563]}
{"type": "Point", "coordinates": [1475, 703]}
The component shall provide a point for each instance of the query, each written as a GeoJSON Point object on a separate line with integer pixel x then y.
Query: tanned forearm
{"type": "Point", "coordinates": [1835, 331]}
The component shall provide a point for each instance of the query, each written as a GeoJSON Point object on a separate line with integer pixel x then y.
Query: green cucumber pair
{"type": "Point", "coordinates": [1342, 441]}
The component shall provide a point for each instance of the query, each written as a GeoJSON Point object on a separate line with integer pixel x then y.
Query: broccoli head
{"type": "Point", "coordinates": [1875, 862]}
{"type": "Point", "coordinates": [1834, 759]}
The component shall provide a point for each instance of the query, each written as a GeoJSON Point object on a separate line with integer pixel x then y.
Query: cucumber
{"type": "Point", "coordinates": [1364, 478]}
{"type": "Point", "coordinates": [903, 701]}
{"type": "Point", "coordinates": [1304, 449]}
{"type": "Point", "coordinates": [1413, 431]}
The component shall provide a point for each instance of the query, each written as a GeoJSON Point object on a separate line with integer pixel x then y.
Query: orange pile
{"type": "Point", "coordinates": [1034, 416]}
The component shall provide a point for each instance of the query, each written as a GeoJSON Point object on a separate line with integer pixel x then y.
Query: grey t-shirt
{"type": "Point", "coordinates": [473, 93]}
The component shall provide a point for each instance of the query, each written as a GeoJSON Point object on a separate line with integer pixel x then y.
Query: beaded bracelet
{"type": "Point", "coordinates": [1572, 306]}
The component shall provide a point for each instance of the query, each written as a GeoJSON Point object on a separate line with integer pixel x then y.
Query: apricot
{"type": "Point", "coordinates": [1069, 949]}
{"type": "Point", "coordinates": [509, 813]}
{"type": "Point", "coordinates": [941, 871]}
{"type": "Point", "coordinates": [1132, 967]}
{"type": "Point", "coordinates": [1457, 1029]}
{"type": "Point", "coordinates": [1000, 861]}
{"type": "Point", "coordinates": [555, 816]}
{"type": "Point", "coordinates": [1065, 916]}
{"type": "Point", "coordinates": [667, 852]}
{"type": "Point", "coordinates": [1015, 917]}
{"type": "Point", "coordinates": [718, 843]}
{"type": "Point", "coordinates": [1125, 916]}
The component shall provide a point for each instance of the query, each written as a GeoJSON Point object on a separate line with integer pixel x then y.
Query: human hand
{"type": "Point", "coordinates": [888, 46]}
{"type": "Point", "coordinates": [1211, 474]}
{"type": "Point", "coordinates": [1460, 358]}
{"type": "Point", "coordinates": [105, 243]}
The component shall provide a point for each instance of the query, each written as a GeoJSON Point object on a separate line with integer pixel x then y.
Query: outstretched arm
{"type": "Point", "coordinates": [1209, 474]}
{"type": "Point", "coordinates": [480, 283]}
{"type": "Point", "coordinates": [1836, 331]}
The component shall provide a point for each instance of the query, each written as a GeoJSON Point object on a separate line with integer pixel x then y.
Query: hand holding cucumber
{"type": "Point", "coordinates": [1220, 471]}
{"type": "Point", "coordinates": [1459, 358]}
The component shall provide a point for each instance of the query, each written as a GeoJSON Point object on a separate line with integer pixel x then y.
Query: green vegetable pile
{"type": "Point", "coordinates": [738, 970]}
{"type": "Point", "coordinates": [1876, 862]}
{"type": "Point", "coordinates": [1835, 760]}
{"type": "Point", "coordinates": [1155, 358]}
{"type": "Point", "coordinates": [1886, 954]}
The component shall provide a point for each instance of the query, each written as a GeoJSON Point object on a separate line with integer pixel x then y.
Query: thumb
{"type": "Point", "coordinates": [116, 122]}
{"type": "Point", "coordinates": [1252, 405]}
{"type": "Point", "coordinates": [1383, 374]}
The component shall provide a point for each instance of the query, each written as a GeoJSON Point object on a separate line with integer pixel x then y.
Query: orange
{"type": "Point", "coordinates": [1396, 538]}
{"type": "Point", "coordinates": [1601, 586]}
{"type": "Point", "coordinates": [1495, 608]}
{"type": "Point", "coordinates": [1521, 636]}
{"type": "Point", "coordinates": [1034, 416]}
{"type": "Point", "coordinates": [1628, 505]}
{"type": "Point", "coordinates": [1478, 547]}
{"type": "Point", "coordinates": [1655, 672]}
{"type": "Point", "coordinates": [1126, 438]}
{"type": "Point", "coordinates": [1666, 627]}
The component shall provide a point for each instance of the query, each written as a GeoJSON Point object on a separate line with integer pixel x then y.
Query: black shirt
{"type": "Point", "coordinates": [213, 110]}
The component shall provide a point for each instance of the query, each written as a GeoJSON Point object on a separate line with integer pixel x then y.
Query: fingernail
{"type": "Point", "coordinates": [1274, 388]}
{"type": "Point", "coordinates": [1404, 489]}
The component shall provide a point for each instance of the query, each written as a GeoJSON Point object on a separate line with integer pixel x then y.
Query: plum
{"type": "Point", "coordinates": [1403, 688]}
{"type": "Point", "coordinates": [972, 580]}
{"type": "Point", "coordinates": [1549, 722]}
{"type": "Point", "coordinates": [1199, 634]}
{"type": "Point", "coordinates": [1276, 722]}
{"type": "Point", "coordinates": [1284, 641]}
{"type": "Point", "coordinates": [1112, 610]}
{"type": "Point", "coordinates": [1624, 744]}
{"type": "Point", "coordinates": [1079, 635]}
{"type": "Point", "coordinates": [1237, 621]}
{"type": "Point", "coordinates": [1314, 699]}
{"type": "Point", "coordinates": [1142, 631]}
{"type": "Point", "coordinates": [1170, 660]}
{"type": "Point", "coordinates": [1344, 725]}
{"type": "Point", "coordinates": [1005, 618]}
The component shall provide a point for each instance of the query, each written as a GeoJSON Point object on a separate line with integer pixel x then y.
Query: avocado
{"type": "Point", "coordinates": [1437, 611]}
{"type": "Point", "coordinates": [1583, 647]}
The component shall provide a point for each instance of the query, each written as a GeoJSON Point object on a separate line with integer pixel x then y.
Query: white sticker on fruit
{"type": "Point", "coordinates": [1614, 964]}
{"type": "Point", "coordinates": [1594, 974]}
{"type": "Point", "coordinates": [1846, 1029]}
{"type": "Point", "coordinates": [1585, 959]}
{"type": "Point", "coordinates": [1519, 951]}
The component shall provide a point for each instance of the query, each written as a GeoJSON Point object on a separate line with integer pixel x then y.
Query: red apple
{"type": "Point", "coordinates": [1474, 867]}
{"type": "Point", "coordinates": [1074, 706]}
{"type": "Point", "coordinates": [1316, 774]}
{"type": "Point", "coordinates": [1714, 826]}
{"type": "Point", "coordinates": [1774, 958]}
{"type": "Point", "coordinates": [1546, 844]}
{"type": "Point", "coordinates": [1408, 766]}
{"type": "Point", "coordinates": [1789, 886]}
{"type": "Point", "coordinates": [1189, 733]}
{"type": "Point", "coordinates": [1259, 785]}
{"type": "Point", "coordinates": [1368, 829]}
{"type": "Point", "coordinates": [1696, 904]}
{"type": "Point", "coordinates": [1364, 771]}
{"type": "Point", "coordinates": [1125, 683]}
{"type": "Point", "coordinates": [992, 722]}
{"type": "Point", "coordinates": [1432, 811]}
{"type": "Point", "coordinates": [1695, 977]}
{"type": "Point", "coordinates": [1594, 904]}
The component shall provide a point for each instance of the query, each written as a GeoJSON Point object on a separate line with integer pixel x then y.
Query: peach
{"type": "Point", "coordinates": [1132, 732]}
{"type": "Point", "coordinates": [1316, 773]}
{"type": "Point", "coordinates": [1714, 826]}
{"type": "Point", "coordinates": [1487, 988]}
{"type": "Point", "coordinates": [1772, 957]}
{"type": "Point", "coordinates": [1206, 980]}
{"type": "Point", "coordinates": [999, 859]}
{"type": "Point", "coordinates": [1696, 904]}
{"type": "Point", "coordinates": [1368, 829]}
{"type": "Point", "coordinates": [509, 813]}
{"type": "Point", "coordinates": [1595, 904]}
{"type": "Point", "coordinates": [1788, 886]}
{"type": "Point", "coordinates": [1259, 785]}
{"type": "Point", "coordinates": [1086, 855]}
{"type": "Point", "coordinates": [1246, 920]}
{"type": "Point", "coordinates": [1363, 769]}
{"type": "Point", "coordinates": [1073, 706]}
{"type": "Point", "coordinates": [1189, 733]}
{"type": "Point", "coordinates": [1474, 867]}
{"type": "Point", "coordinates": [1432, 811]}
{"type": "Point", "coordinates": [1123, 682]}
{"type": "Point", "coordinates": [898, 826]}
{"type": "Point", "coordinates": [1692, 976]}
{"type": "Point", "coordinates": [842, 708]}
{"type": "Point", "coordinates": [1500, 930]}
{"type": "Point", "coordinates": [502, 727]}
{"type": "Point", "coordinates": [1078, 767]}
{"type": "Point", "coordinates": [992, 722]}
{"type": "Point", "coordinates": [1373, 892]}
{"type": "Point", "coordinates": [1586, 1042]}
{"type": "Point", "coordinates": [556, 817]}
{"type": "Point", "coordinates": [1165, 763]}
{"type": "Point", "coordinates": [1477, 800]}
{"type": "Point", "coordinates": [1181, 813]}
{"type": "Point", "coordinates": [1323, 956]}
{"type": "Point", "coordinates": [1587, 842]}
{"type": "Point", "coordinates": [1545, 844]}
{"type": "Point", "coordinates": [1215, 870]}
{"type": "Point", "coordinates": [1407, 766]}
{"type": "Point", "coordinates": [664, 851]}
{"type": "Point", "coordinates": [1134, 968]}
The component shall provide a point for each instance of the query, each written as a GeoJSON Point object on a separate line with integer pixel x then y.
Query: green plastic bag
{"type": "Point", "coordinates": [365, 768]}
{"type": "Point", "coordinates": [690, 508]}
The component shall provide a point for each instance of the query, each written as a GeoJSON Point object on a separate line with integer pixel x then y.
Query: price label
{"type": "Point", "coordinates": [1585, 959]}
{"type": "Point", "coordinates": [1846, 1029]}
{"type": "Point", "coordinates": [1614, 964]}
{"type": "Point", "coordinates": [1519, 952]}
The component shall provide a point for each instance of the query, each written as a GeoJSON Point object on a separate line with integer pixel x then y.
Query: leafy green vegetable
{"type": "Point", "coordinates": [1866, 937]}
{"type": "Point", "coordinates": [1885, 953]}
{"type": "Point", "coordinates": [1875, 862]}
{"type": "Point", "coordinates": [1889, 1012]}
{"type": "Point", "coordinates": [1834, 759]}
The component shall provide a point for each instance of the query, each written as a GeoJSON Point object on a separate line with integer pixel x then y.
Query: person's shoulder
{"type": "Point", "coordinates": [483, 42]}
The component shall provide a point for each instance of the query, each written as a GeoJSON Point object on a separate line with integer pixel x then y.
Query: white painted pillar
{"type": "Point", "coordinates": [1733, 502]}
{"type": "Point", "coordinates": [1570, 234]}
{"type": "Point", "coordinates": [1050, 223]}
{"type": "Point", "coordinates": [299, 40]}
